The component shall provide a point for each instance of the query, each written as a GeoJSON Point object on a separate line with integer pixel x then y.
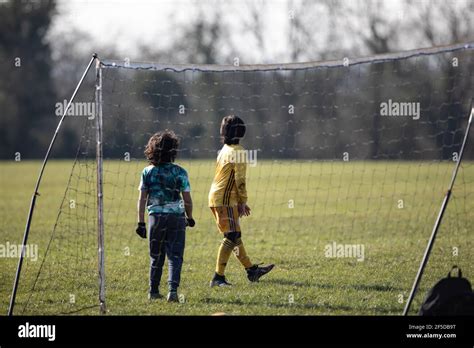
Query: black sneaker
{"type": "Point", "coordinates": [154, 296]}
{"type": "Point", "coordinates": [219, 281]}
{"type": "Point", "coordinates": [172, 297]}
{"type": "Point", "coordinates": [255, 272]}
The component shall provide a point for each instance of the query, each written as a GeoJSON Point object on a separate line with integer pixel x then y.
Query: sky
{"type": "Point", "coordinates": [127, 24]}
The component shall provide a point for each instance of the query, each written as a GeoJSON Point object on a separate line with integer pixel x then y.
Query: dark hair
{"type": "Point", "coordinates": [162, 147]}
{"type": "Point", "coordinates": [232, 129]}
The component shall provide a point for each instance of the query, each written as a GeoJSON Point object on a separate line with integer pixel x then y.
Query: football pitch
{"type": "Point", "coordinates": [301, 213]}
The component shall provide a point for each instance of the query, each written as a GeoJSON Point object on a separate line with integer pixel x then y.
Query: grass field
{"type": "Point", "coordinates": [298, 208]}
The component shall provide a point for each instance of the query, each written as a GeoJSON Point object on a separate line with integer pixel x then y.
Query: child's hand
{"type": "Point", "coordinates": [244, 209]}
{"type": "Point", "coordinates": [141, 229]}
{"type": "Point", "coordinates": [190, 222]}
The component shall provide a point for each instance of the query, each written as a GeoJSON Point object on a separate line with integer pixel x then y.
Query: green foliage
{"type": "Point", "coordinates": [27, 96]}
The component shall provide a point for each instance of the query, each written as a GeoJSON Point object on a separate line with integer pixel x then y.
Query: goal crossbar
{"type": "Point", "coordinates": [345, 62]}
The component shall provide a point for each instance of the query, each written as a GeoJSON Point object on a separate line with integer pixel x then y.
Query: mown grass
{"type": "Point", "coordinates": [297, 209]}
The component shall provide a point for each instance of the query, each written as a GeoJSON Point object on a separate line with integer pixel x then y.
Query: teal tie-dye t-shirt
{"type": "Point", "coordinates": [164, 184]}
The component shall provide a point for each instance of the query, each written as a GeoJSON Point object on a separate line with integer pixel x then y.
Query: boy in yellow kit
{"type": "Point", "coordinates": [228, 201]}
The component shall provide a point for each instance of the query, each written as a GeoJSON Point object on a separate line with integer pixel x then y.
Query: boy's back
{"type": "Point", "coordinates": [228, 187]}
{"type": "Point", "coordinates": [164, 183]}
{"type": "Point", "coordinates": [228, 202]}
{"type": "Point", "coordinates": [165, 190]}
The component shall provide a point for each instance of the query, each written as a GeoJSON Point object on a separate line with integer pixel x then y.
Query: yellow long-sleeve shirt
{"type": "Point", "coordinates": [228, 187]}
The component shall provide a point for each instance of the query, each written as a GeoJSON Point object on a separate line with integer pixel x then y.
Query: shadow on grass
{"type": "Point", "coordinates": [321, 307]}
{"type": "Point", "coordinates": [308, 305]}
{"type": "Point", "coordinates": [308, 284]}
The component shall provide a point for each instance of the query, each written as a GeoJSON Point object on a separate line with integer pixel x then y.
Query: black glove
{"type": "Point", "coordinates": [190, 222]}
{"type": "Point", "coordinates": [141, 229]}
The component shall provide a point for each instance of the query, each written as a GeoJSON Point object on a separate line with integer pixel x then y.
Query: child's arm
{"type": "Point", "coordinates": [188, 204]}
{"type": "Point", "coordinates": [141, 228]}
{"type": "Point", "coordinates": [141, 205]}
{"type": "Point", "coordinates": [240, 183]}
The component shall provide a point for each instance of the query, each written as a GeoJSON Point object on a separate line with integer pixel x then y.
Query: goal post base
{"type": "Point", "coordinates": [103, 308]}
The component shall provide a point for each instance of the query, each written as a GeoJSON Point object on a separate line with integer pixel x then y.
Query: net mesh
{"type": "Point", "coordinates": [334, 165]}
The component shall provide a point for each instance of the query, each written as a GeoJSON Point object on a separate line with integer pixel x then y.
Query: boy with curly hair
{"type": "Point", "coordinates": [166, 193]}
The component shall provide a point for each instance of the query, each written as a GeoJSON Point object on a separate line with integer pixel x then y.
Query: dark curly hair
{"type": "Point", "coordinates": [162, 147]}
{"type": "Point", "coordinates": [232, 129]}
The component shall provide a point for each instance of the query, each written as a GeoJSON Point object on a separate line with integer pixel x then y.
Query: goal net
{"type": "Point", "coordinates": [348, 163]}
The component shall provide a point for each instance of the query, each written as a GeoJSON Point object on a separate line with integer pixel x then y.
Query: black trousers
{"type": "Point", "coordinates": [167, 238]}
